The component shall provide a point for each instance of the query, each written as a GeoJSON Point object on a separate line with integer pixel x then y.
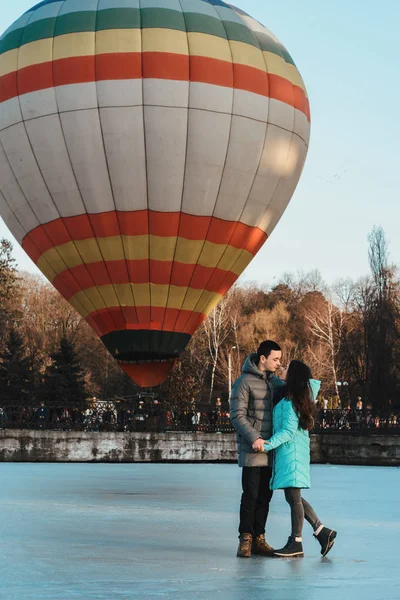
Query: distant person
{"type": "Point", "coordinates": [42, 416]}
{"type": "Point", "coordinates": [3, 418]}
{"type": "Point", "coordinates": [251, 405]}
{"type": "Point", "coordinates": [359, 404]}
{"type": "Point", "coordinates": [293, 417]}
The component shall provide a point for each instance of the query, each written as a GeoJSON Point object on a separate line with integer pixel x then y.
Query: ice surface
{"type": "Point", "coordinates": [113, 532]}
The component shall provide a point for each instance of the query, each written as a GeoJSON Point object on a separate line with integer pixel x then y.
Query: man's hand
{"type": "Point", "coordinates": [258, 445]}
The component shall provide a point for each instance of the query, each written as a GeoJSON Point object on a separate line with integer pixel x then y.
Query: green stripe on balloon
{"type": "Point", "coordinates": [146, 18]}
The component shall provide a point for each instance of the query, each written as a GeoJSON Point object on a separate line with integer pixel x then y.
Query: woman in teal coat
{"type": "Point", "coordinates": [292, 418]}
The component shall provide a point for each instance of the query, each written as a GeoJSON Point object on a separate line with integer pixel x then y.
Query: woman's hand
{"type": "Point", "coordinates": [283, 374]}
{"type": "Point", "coordinates": [258, 445]}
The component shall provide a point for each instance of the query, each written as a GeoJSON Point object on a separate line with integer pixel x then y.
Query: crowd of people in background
{"type": "Point", "coordinates": [150, 414]}
{"type": "Point", "coordinates": [139, 415]}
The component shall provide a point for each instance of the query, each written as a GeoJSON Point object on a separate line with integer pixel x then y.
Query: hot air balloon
{"type": "Point", "coordinates": [148, 148]}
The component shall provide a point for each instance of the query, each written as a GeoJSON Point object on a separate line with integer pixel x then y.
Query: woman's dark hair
{"type": "Point", "coordinates": [298, 390]}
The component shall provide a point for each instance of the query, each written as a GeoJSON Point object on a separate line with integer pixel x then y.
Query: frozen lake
{"type": "Point", "coordinates": [111, 532]}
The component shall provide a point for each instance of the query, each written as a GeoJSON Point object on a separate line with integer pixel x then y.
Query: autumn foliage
{"type": "Point", "coordinates": [348, 333]}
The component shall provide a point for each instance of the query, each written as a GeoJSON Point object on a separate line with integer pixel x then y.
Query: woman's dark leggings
{"type": "Point", "coordinates": [300, 509]}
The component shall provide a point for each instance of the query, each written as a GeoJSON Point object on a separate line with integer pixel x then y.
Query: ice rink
{"type": "Point", "coordinates": [113, 532]}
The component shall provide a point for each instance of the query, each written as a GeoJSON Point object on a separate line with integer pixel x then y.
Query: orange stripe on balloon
{"type": "Point", "coordinates": [283, 90]}
{"type": "Point", "coordinates": [102, 321]}
{"type": "Point", "coordinates": [164, 65]}
{"type": "Point", "coordinates": [253, 80]}
{"type": "Point", "coordinates": [211, 70]}
{"type": "Point", "coordinates": [8, 86]}
{"type": "Point", "coordinates": [128, 65]}
{"type": "Point", "coordinates": [81, 277]}
{"type": "Point", "coordinates": [115, 223]}
{"type": "Point", "coordinates": [156, 65]}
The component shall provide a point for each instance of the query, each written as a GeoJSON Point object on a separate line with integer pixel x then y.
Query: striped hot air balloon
{"type": "Point", "coordinates": [147, 150]}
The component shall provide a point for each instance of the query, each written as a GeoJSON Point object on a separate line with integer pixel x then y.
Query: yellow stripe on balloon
{"type": "Point", "coordinates": [209, 46]}
{"type": "Point", "coordinates": [245, 54]}
{"type": "Point", "coordinates": [209, 304]}
{"type": "Point", "coordinates": [158, 294]}
{"type": "Point", "coordinates": [113, 41]}
{"type": "Point", "coordinates": [143, 247]}
{"type": "Point", "coordinates": [137, 247]}
{"type": "Point", "coordinates": [105, 296]}
{"type": "Point", "coordinates": [125, 294]}
{"type": "Point", "coordinates": [193, 297]}
{"type": "Point", "coordinates": [8, 62]}
{"type": "Point", "coordinates": [74, 44]}
{"type": "Point", "coordinates": [164, 40]}
{"type": "Point", "coordinates": [154, 40]}
{"type": "Point", "coordinates": [88, 301]}
{"type": "Point", "coordinates": [116, 41]}
{"type": "Point", "coordinates": [35, 53]}
{"type": "Point", "coordinates": [276, 65]}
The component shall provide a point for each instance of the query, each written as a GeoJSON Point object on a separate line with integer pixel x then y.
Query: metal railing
{"type": "Point", "coordinates": [155, 418]}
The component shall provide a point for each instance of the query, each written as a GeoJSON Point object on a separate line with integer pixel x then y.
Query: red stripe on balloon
{"type": "Point", "coordinates": [81, 277]}
{"type": "Point", "coordinates": [157, 65]}
{"type": "Point", "coordinates": [108, 320]}
{"type": "Point", "coordinates": [256, 81]}
{"type": "Point", "coordinates": [212, 71]}
{"type": "Point", "coordinates": [115, 223]}
{"type": "Point", "coordinates": [282, 89]}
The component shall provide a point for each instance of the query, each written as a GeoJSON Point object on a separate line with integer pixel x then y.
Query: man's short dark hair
{"type": "Point", "coordinates": [265, 348]}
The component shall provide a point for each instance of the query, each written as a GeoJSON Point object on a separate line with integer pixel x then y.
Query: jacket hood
{"type": "Point", "coordinates": [250, 367]}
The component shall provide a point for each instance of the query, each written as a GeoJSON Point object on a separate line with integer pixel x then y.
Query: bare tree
{"type": "Point", "coordinates": [326, 327]}
{"type": "Point", "coordinates": [379, 260]}
{"type": "Point", "coordinates": [217, 329]}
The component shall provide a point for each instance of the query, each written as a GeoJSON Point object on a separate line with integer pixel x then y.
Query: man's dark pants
{"type": "Point", "coordinates": [256, 497]}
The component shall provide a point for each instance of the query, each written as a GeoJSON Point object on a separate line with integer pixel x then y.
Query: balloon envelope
{"type": "Point", "coordinates": [148, 148]}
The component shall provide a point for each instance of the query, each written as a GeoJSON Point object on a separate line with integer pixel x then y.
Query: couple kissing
{"type": "Point", "coordinates": [272, 417]}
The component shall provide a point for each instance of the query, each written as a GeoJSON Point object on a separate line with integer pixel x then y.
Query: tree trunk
{"type": "Point", "coordinates": [214, 366]}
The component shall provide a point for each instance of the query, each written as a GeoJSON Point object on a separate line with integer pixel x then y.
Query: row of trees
{"type": "Point", "coordinates": [347, 333]}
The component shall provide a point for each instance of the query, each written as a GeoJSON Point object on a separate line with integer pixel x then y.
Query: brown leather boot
{"type": "Point", "coordinates": [261, 547]}
{"type": "Point", "coordinates": [244, 549]}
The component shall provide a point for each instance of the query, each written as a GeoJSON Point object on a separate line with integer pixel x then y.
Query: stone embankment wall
{"type": "Point", "coordinates": [71, 446]}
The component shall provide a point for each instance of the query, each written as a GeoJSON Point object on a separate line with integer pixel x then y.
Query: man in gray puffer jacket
{"type": "Point", "coordinates": [253, 397]}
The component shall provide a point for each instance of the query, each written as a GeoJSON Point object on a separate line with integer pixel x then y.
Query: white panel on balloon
{"type": "Point", "coordinates": [10, 113]}
{"type": "Point", "coordinates": [125, 92]}
{"type": "Point", "coordinates": [14, 197]}
{"type": "Point", "coordinates": [287, 184]}
{"type": "Point", "coordinates": [84, 141]}
{"type": "Point", "coordinates": [272, 167]}
{"type": "Point", "coordinates": [46, 137]}
{"type": "Point", "coordinates": [163, 92]}
{"type": "Point", "coordinates": [206, 154]}
{"type": "Point", "coordinates": [166, 135]}
{"type": "Point", "coordinates": [244, 155]}
{"type": "Point", "coordinates": [38, 104]}
{"type": "Point", "coordinates": [23, 163]}
{"type": "Point", "coordinates": [123, 133]}
{"type": "Point", "coordinates": [216, 98]}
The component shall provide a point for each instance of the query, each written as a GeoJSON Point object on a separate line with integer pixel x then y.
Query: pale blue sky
{"type": "Point", "coordinates": [348, 54]}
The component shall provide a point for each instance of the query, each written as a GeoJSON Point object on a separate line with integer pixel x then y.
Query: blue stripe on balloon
{"type": "Point", "coordinates": [41, 4]}
{"type": "Point", "coordinates": [44, 2]}
{"type": "Point", "coordinates": [239, 10]}
{"type": "Point", "coordinates": [218, 3]}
